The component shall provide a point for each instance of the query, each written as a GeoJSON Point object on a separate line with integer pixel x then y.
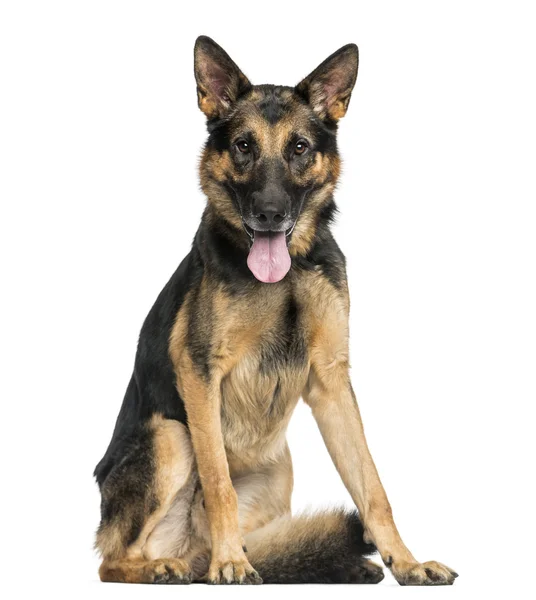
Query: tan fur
{"type": "Point", "coordinates": [203, 403]}
{"type": "Point", "coordinates": [174, 457]}
{"type": "Point", "coordinates": [109, 542]}
{"type": "Point", "coordinates": [207, 103]}
{"type": "Point", "coordinates": [212, 170]}
{"type": "Point", "coordinates": [253, 427]}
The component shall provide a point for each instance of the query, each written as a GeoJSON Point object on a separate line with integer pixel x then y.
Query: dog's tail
{"type": "Point", "coordinates": [325, 547]}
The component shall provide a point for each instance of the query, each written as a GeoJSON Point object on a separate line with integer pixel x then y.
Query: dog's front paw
{"type": "Point", "coordinates": [428, 573]}
{"type": "Point", "coordinates": [232, 572]}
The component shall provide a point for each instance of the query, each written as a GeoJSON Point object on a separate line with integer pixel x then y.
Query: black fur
{"type": "Point", "coordinates": [331, 557]}
{"type": "Point", "coordinates": [126, 484]}
{"type": "Point", "coordinates": [271, 105]}
{"type": "Point", "coordinates": [152, 385]}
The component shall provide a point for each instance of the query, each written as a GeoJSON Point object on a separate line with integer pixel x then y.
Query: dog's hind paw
{"type": "Point", "coordinates": [367, 572]}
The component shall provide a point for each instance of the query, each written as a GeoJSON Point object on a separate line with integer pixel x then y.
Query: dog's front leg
{"type": "Point", "coordinates": [202, 400]}
{"type": "Point", "coordinates": [330, 395]}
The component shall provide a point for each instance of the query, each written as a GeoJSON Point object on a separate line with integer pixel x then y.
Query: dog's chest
{"type": "Point", "coordinates": [261, 390]}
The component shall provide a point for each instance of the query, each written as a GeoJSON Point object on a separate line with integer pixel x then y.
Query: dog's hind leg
{"type": "Point", "coordinates": [151, 484]}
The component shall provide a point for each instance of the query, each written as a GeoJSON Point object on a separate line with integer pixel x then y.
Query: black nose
{"type": "Point", "coordinates": [270, 216]}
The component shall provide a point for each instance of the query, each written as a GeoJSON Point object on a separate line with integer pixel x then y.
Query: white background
{"type": "Point", "coordinates": [99, 140]}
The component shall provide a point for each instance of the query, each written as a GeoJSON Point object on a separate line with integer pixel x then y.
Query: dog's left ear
{"type": "Point", "coordinates": [219, 81]}
{"type": "Point", "coordinates": [329, 87]}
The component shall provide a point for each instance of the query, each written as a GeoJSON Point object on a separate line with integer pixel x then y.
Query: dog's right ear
{"type": "Point", "coordinates": [219, 81]}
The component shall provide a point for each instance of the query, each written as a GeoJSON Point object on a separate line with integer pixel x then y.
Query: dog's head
{"type": "Point", "coordinates": [271, 163]}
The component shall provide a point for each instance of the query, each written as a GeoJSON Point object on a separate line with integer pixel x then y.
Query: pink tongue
{"type": "Point", "coordinates": [268, 258]}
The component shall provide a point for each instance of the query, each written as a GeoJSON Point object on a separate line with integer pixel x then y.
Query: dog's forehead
{"type": "Point", "coordinates": [272, 114]}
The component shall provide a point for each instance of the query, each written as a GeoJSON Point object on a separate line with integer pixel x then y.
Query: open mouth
{"type": "Point", "coordinates": [269, 259]}
{"type": "Point", "coordinates": [251, 232]}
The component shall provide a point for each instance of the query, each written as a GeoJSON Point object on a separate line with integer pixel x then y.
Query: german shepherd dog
{"type": "Point", "coordinates": [197, 480]}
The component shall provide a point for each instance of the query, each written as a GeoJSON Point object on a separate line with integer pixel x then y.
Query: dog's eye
{"type": "Point", "coordinates": [243, 146]}
{"type": "Point", "coordinates": [301, 147]}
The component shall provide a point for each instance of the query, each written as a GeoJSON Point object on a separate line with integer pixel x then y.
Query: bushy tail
{"type": "Point", "coordinates": [325, 547]}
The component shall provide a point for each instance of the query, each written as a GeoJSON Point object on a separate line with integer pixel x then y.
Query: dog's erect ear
{"type": "Point", "coordinates": [329, 87]}
{"type": "Point", "coordinates": [219, 81]}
